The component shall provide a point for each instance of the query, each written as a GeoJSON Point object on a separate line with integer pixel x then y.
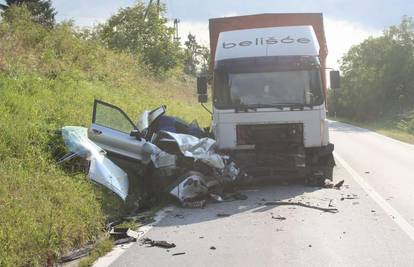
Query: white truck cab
{"type": "Point", "coordinates": [269, 109]}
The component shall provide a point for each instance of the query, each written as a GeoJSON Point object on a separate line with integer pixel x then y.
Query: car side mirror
{"type": "Point", "coordinates": [202, 89]}
{"type": "Point", "coordinates": [335, 79]}
{"type": "Point", "coordinates": [135, 133]}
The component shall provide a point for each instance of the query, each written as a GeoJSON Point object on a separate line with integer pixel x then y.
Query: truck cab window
{"type": "Point", "coordinates": [296, 87]}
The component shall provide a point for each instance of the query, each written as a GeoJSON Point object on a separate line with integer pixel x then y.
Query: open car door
{"type": "Point", "coordinates": [113, 131]}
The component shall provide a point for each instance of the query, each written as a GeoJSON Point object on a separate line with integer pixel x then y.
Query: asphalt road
{"type": "Point", "coordinates": [374, 225]}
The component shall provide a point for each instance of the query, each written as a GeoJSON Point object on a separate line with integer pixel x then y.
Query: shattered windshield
{"type": "Point", "coordinates": [302, 87]}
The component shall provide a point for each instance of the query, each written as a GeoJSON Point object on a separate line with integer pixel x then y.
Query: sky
{"type": "Point", "coordinates": [347, 22]}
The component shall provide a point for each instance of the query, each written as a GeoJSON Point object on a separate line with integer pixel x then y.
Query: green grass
{"type": "Point", "coordinates": [49, 79]}
{"type": "Point", "coordinates": [387, 127]}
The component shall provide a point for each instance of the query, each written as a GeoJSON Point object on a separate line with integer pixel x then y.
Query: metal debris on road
{"type": "Point", "coordinates": [123, 235]}
{"type": "Point", "coordinates": [288, 203]}
{"type": "Point", "coordinates": [278, 217]}
{"type": "Point", "coordinates": [339, 184]}
{"type": "Point", "coordinates": [153, 243]}
{"type": "Point", "coordinates": [124, 240]}
{"type": "Point", "coordinates": [329, 184]}
{"type": "Point", "coordinates": [198, 204]}
{"type": "Point", "coordinates": [349, 197]}
{"type": "Point", "coordinates": [178, 253]}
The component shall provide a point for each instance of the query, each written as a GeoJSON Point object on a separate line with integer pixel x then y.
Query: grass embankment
{"type": "Point", "coordinates": [388, 127]}
{"type": "Point", "coordinates": [49, 79]}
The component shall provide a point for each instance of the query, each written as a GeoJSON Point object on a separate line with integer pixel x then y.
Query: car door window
{"type": "Point", "coordinates": [112, 117]}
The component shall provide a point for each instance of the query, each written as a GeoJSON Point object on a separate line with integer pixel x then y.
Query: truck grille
{"type": "Point", "coordinates": [270, 136]}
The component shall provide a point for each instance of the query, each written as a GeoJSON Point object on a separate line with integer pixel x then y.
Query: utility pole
{"type": "Point", "coordinates": [176, 36]}
{"type": "Point", "coordinates": [148, 7]}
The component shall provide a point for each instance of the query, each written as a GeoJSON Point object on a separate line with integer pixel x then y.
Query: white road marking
{"type": "Point", "coordinates": [117, 251]}
{"type": "Point", "coordinates": [394, 214]}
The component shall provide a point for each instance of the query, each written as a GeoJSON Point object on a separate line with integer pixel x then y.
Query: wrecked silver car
{"type": "Point", "coordinates": [176, 157]}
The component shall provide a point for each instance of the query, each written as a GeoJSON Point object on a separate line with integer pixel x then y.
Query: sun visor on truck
{"type": "Point", "coordinates": [265, 42]}
{"type": "Point", "coordinates": [262, 64]}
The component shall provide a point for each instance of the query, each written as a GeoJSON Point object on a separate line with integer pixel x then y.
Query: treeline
{"type": "Point", "coordinates": [141, 30]}
{"type": "Point", "coordinates": [378, 78]}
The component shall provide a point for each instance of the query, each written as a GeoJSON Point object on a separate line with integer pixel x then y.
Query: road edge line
{"type": "Point", "coordinates": [393, 213]}
{"type": "Point", "coordinates": [117, 251]}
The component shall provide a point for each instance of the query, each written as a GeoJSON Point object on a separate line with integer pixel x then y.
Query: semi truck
{"type": "Point", "coordinates": [268, 77]}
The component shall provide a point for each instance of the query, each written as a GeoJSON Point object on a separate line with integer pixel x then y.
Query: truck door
{"type": "Point", "coordinates": [113, 131]}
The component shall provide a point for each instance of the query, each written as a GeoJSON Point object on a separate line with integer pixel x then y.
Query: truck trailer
{"type": "Point", "coordinates": [269, 94]}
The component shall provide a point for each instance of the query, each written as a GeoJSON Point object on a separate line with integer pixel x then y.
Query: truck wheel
{"type": "Point", "coordinates": [315, 180]}
{"type": "Point", "coordinates": [321, 172]}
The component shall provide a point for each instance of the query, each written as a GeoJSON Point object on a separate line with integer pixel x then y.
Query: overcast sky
{"type": "Point", "coordinates": [347, 22]}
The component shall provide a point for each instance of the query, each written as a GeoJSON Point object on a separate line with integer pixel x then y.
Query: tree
{"type": "Point", "coordinates": [196, 56]}
{"type": "Point", "coordinates": [377, 75]}
{"type": "Point", "coordinates": [41, 10]}
{"type": "Point", "coordinates": [143, 31]}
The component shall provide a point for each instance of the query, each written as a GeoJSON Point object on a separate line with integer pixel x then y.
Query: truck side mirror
{"type": "Point", "coordinates": [335, 79]}
{"type": "Point", "coordinates": [202, 89]}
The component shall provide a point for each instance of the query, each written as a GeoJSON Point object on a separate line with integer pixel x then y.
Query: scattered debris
{"type": "Point", "coordinates": [223, 215]}
{"type": "Point", "coordinates": [328, 183]}
{"type": "Point", "coordinates": [194, 204]}
{"type": "Point", "coordinates": [142, 218]}
{"type": "Point", "coordinates": [213, 248]}
{"type": "Point", "coordinates": [123, 235]}
{"type": "Point", "coordinates": [216, 197]}
{"type": "Point", "coordinates": [178, 253]}
{"type": "Point", "coordinates": [330, 203]}
{"type": "Point", "coordinates": [125, 240]}
{"type": "Point", "coordinates": [367, 172]}
{"type": "Point", "coordinates": [238, 196]}
{"type": "Point", "coordinates": [339, 184]}
{"type": "Point", "coordinates": [76, 254]}
{"type": "Point", "coordinates": [287, 203]}
{"type": "Point", "coordinates": [373, 211]}
{"type": "Point", "coordinates": [349, 197]}
{"type": "Point", "coordinates": [278, 217]}
{"type": "Point", "coordinates": [153, 243]}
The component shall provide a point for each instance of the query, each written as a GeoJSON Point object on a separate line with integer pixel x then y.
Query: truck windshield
{"type": "Point", "coordinates": [264, 89]}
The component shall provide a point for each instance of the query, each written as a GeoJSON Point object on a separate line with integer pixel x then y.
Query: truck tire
{"type": "Point", "coordinates": [321, 171]}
